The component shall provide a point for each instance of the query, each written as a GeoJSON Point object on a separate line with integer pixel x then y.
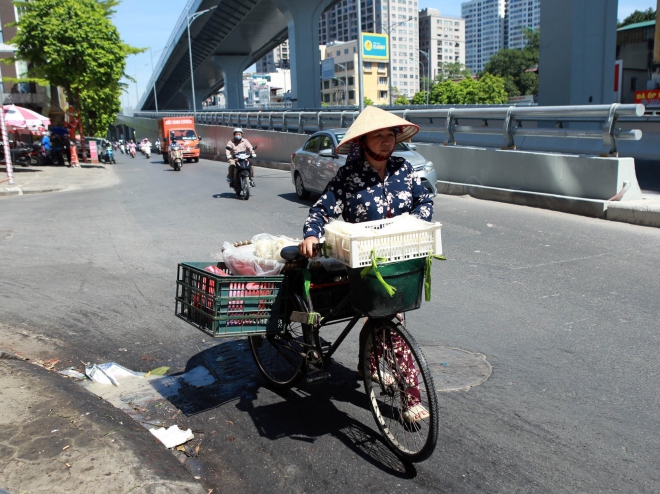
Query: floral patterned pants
{"type": "Point", "coordinates": [398, 351]}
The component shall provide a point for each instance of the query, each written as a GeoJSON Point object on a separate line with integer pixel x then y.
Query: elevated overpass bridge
{"type": "Point", "coordinates": [227, 36]}
{"type": "Point", "coordinates": [225, 39]}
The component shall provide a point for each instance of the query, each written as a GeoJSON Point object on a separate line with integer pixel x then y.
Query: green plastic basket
{"type": "Point", "coordinates": [369, 297]}
{"type": "Point", "coordinates": [229, 305]}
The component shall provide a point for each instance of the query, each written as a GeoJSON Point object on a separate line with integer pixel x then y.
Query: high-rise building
{"type": "Point", "coordinates": [276, 59]}
{"type": "Point", "coordinates": [442, 37]}
{"type": "Point", "coordinates": [403, 22]}
{"type": "Point", "coordinates": [521, 14]}
{"type": "Point", "coordinates": [491, 25]}
{"type": "Point", "coordinates": [484, 31]}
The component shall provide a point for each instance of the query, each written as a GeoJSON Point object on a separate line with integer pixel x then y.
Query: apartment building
{"type": "Point", "coordinates": [520, 15]}
{"type": "Point", "coordinates": [343, 89]}
{"type": "Point", "coordinates": [276, 59]}
{"type": "Point", "coordinates": [491, 25]}
{"type": "Point", "coordinates": [484, 31]}
{"type": "Point", "coordinates": [442, 38]}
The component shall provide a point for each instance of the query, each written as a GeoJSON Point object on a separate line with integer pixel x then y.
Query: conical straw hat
{"type": "Point", "coordinates": [372, 119]}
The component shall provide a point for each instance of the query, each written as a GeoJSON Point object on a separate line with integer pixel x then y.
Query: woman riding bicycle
{"type": "Point", "coordinates": [374, 185]}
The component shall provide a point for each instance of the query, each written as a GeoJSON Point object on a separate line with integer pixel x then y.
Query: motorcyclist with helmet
{"type": "Point", "coordinates": [235, 146]}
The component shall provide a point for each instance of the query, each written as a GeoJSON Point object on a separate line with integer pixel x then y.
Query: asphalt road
{"type": "Point", "coordinates": [564, 308]}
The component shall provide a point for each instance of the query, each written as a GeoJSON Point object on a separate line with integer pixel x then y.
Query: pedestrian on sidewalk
{"type": "Point", "coordinates": [66, 148]}
{"type": "Point", "coordinates": [73, 153]}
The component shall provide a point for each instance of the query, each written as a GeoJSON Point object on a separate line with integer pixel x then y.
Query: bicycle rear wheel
{"type": "Point", "coordinates": [396, 360]}
{"type": "Point", "coordinates": [281, 357]}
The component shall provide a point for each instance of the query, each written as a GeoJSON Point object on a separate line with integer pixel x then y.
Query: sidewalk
{"type": "Point", "coordinates": [39, 179]}
{"type": "Point", "coordinates": [57, 437]}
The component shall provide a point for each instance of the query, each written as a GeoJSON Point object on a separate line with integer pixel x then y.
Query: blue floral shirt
{"type": "Point", "coordinates": [357, 194]}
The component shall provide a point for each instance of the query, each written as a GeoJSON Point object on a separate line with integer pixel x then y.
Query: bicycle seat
{"type": "Point", "coordinates": [290, 253]}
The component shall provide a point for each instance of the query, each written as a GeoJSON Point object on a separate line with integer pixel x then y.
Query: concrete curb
{"type": "Point", "coordinates": [643, 213]}
{"type": "Point", "coordinates": [22, 192]}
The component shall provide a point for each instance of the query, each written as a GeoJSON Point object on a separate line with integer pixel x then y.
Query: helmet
{"type": "Point", "coordinates": [237, 130]}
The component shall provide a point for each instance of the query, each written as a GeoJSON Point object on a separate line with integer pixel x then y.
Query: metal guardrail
{"type": "Point", "coordinates": [505, 121]}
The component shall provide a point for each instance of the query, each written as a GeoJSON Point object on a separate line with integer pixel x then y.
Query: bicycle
{"type": "Point", "coordinates": [396, 376]}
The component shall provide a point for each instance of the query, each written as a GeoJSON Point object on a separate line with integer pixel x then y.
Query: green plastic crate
{"type": "Point", "coordinates": [229, 305]}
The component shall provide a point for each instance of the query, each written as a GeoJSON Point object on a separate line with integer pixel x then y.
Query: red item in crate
{"type": "Point", "coordinates": [252, 289]}
{"type": "Point", "coordinates": [204, 298]}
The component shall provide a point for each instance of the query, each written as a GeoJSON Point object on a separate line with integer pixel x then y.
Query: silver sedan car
{"type": "Point", "coordinates": [314, 164]}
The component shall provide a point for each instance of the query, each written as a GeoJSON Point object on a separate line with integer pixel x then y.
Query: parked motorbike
{"type": "Point", "coordinates": [242, 175]}
{"type": "Point", "coordinates": [176, 157]}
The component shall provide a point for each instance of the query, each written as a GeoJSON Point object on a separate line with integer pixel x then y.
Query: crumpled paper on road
{"type": "Point", "coordinates": [172, 436]}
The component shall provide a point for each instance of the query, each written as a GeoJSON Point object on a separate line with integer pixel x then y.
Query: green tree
{"type": "Point", "coordinates": [74, 44]}
{"type": "Point", "coordinates": [490, 90]}
{"type": "Point", "coordinates": [517, 66]}
{"type": "Point", "coordinates": [420, 98]}
{"type": "Point", "coordinates": [368, 102]}
{"type": "Point", "coordinates": [638, 16]}
{"type": "Point", "coordinates": [401, 100]}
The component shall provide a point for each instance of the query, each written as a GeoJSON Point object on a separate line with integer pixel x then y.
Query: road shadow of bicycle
{"type": "Point", "coordinates": [305, 413]}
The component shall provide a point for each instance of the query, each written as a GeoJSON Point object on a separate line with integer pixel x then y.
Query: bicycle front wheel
{"type": "Point", "coordinates": [400, 390]}
{"type": "Point", "coordinates": [281, 357]}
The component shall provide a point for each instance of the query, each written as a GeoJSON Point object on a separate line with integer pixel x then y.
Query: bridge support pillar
{"type": "Point", "coordinates": [303, 24]}
{"type": "Point", "coordinates": [577, 59]}
{"type": "Point", "coordinates": [187, 94]}
{"type": "Point", "coordinates": [232, 72]}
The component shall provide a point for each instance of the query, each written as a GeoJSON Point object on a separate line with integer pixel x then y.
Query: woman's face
{"type": "Point", "coordinates": [381, 141]}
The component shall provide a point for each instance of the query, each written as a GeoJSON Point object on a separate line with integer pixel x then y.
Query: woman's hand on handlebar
{"type": "Point", "coordinates": [306, 247]}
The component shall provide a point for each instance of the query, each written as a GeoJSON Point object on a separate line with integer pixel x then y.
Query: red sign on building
{"type": "Point", "coordinates": [649, 97]}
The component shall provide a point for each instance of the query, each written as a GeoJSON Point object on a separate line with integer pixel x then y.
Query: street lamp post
{"type": "Point", "coordinates": [190, 20]}
{"type": "Point", "coordinates": [428, 79]}
{"type": "Point", "coordinates": [359, 43]}
{"type": "Point", "coordinates": [345, 83]}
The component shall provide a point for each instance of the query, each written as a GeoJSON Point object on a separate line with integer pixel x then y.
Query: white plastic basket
{"type": "Point", "coordinates": [355, 251]}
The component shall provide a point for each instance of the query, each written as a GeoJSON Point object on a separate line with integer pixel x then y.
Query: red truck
{"type": "Point", "coordinates": [183, 130]}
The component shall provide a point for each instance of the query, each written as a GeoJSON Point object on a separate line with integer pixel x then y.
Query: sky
{"type": "Point", "coordinates": [149, 23]}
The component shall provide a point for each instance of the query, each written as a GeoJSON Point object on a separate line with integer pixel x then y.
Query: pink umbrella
{"type": "Point", "coordinates": [18, 117]}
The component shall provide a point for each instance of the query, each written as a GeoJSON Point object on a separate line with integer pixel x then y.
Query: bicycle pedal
{"type": "Point", "coordinates": [317, 377]}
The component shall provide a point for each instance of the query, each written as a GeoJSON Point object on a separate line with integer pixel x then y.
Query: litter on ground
{"type": "Point", "coordinates": [172, 436]}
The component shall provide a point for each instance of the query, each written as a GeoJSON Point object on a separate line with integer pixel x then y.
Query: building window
{"type": "Point", "coordinates": [326, 84]}
{"type": "Point", "coordinates": [351, 95]}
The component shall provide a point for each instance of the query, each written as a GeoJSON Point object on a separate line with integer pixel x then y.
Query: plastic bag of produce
{"type": "Point", "coordinates": [259, 258]}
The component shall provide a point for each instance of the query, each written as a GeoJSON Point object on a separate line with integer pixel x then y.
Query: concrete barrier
{"type": "Point", "coordinates": [588, 177]}
{"type": "Point", "coordinates": [569, 175]}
